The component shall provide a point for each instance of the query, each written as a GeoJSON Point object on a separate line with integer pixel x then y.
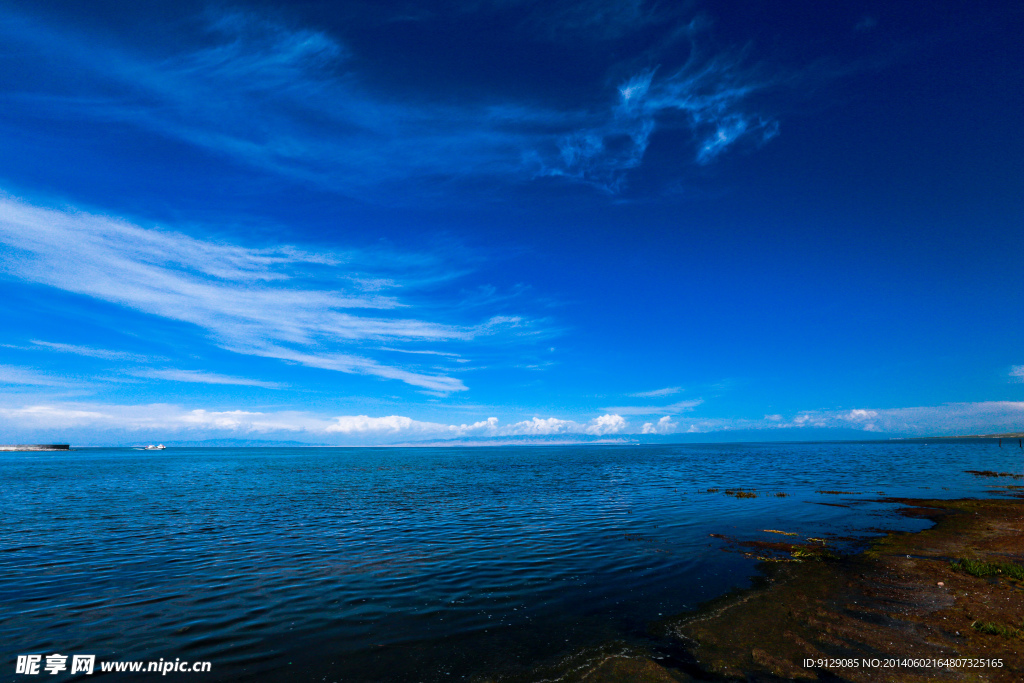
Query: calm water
{"type": "Point", "coordinates": [427, 564]}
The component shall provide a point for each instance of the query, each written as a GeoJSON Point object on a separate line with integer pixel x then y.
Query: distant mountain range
{"type": "Point", "coordinates": [735, 436]}
{"type": "Point", "coordinates": [730, 436]}
{"type": "Point", "coordinates": [547, 440]}
{"type": "Point", "coordinates": [1008, 435]}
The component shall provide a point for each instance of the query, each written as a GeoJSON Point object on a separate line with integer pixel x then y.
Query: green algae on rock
{"type": "Point", "coordinates": [900, 602]}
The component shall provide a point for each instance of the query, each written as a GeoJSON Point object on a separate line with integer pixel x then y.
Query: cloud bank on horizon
{"type": "Point", "coordinates": [114, 424]}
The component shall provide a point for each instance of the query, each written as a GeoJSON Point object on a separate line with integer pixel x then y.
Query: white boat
{"type": "Point", "coordinates": [159, 447]}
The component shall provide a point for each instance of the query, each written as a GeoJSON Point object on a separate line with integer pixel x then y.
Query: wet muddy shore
{"type": "Point", "coordinates": [944, 604]}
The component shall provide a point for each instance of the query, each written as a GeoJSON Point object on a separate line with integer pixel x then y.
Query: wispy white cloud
{"type": "Point", "coordinates": [946, 419]}
{"type": "Point", "coordinates": [446, 354]}
{"type": "Point", "coordinates": [290, 100]}
{"type": "Point", "coordinates": [196, 376]}
{"type": "Point", "coordinates": [164, 418]}
{"type": "Point", "coordinates": [286, 100]}
{"type": "Point", "coordinates": [667, 391]}
{"type": "Point", "coordinates": [10, 374]}
{"type": "Point", "coordinates": [90, 351]}
{"type": "Point", "coordinates": [280, 303]}
{"type": "Point", "coordinates": [708, 96]}
{"type": "Point", "coordinates": [1017, 373]}
{"type": "Point", "coordinates": [671, 409]}
{"type": "Point", "coordinates": [55, 417]}
{"type": "Point", "coordinates": [342, 362]}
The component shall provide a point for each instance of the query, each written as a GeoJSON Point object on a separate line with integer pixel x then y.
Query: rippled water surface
{"type": "Point", "coordinates": [410, 564]}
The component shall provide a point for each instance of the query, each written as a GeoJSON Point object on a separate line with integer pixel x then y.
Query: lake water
{"type": "Point", "coordinates": [417, 564]}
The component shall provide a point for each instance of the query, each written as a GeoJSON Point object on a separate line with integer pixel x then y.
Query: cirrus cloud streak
{"type": "Point", "coordinates": [285, 303]}
{"type": "Point", "coordinates": [291, 101]}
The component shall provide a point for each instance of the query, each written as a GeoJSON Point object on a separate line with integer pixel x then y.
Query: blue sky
{"type": "Point", "coordinates": [390, 222]}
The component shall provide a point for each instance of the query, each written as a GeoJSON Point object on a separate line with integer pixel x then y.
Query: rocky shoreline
{"type": "Point", "coordinates": [943, 604]}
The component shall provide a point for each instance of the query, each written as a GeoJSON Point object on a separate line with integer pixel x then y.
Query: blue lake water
{"type": "Point", "coordinates": [416, 564]}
